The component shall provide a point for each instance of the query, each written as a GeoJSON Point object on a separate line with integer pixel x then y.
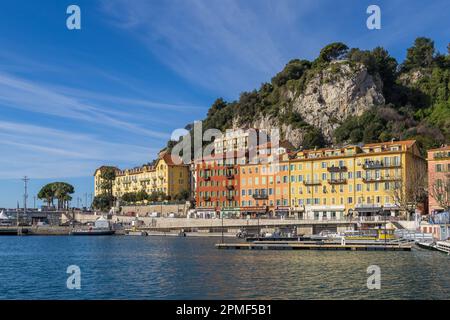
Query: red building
{"type": "Point", "coordinates": [217, 186]}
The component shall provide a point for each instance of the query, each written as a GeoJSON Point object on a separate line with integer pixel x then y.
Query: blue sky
{"type": "Point", "coordinates": [114, 91]}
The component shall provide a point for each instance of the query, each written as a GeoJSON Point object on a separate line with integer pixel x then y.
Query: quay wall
{"type": "Point", "coordinates": [178, 223]}
{"type": "Point", "coordinates": [164, 209]}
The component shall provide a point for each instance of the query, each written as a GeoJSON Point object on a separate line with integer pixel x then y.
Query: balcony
{"type": "Point", "coordinates": [206, 198]}
{"type": "Point", "coordinates": [207, 178]}
{"type": "Point", "coordinates": [229, 175]}
{"type": "Point", "coordinates": [260, 196]}
{"type": "Point", "coordinates": [373, 165]}
{"type": "Point", "coordinates": [230, 197]}
{"type": "Point", "coordinates": [312, 183]}
{"type": "Point", "coordinates": [230, 187]}
{"type": "Point", "coordinates": [337, 169]}
{"type": "Point", "coordinates": [381, 179]}
{"type": "Point", "coordinates": [441, 155]}
{"type": "Point", "coordinates": [337, 181]}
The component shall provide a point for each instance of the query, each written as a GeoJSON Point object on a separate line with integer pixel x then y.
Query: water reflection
{"type": "Point", "coordinates": [191, 268]}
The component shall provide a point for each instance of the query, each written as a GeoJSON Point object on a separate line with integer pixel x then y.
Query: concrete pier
{"type": "Point", "coordinates": [304, 245]}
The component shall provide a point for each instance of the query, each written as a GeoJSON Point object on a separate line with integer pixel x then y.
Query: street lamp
{"type": "Point", "coordinates": [385, 217]}
{"type": "Point", "coordinates": [221, 213]}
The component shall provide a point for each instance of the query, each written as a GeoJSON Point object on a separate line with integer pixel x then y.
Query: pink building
{"type": "Point", "coordinates": [438, 172]}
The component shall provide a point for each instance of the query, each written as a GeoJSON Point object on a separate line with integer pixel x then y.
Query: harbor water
{"type": "Point", "coordinates": [192, 268]}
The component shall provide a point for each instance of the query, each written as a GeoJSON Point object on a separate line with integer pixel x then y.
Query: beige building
{"type": "Point", "coordinates": [164, 175]}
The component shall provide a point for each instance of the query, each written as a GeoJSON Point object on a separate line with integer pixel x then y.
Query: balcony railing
{"type": "Point", "coordinates": [441, 155]}
{"type": "Point", "coordinates": [230, 198]}
{"type": "Point", "coordinates": [230, 175]}
{"type": "Point", "coordinates": [230, 187]}
{"type": "Point", "coordinates": [381, 179]}
{"type": "Point", "coordinates": [206, 198]}
{"type": "Point", "coordinates": [380, 165]}
{"type": "Point", "coordinates": [337, 169]}
{"type": "Point", "coordinates": [312, 183]}
{"type": "Point", "coordinates": [337, 181]}
{"type": "Point", "coordinates": [207, 178]}
{"type": "Point", "coordinates": [260, 196]}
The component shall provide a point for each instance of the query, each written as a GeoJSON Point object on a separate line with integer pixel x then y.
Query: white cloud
{"type": "Point", "coordinates": [229, 46]}
{"type": "Point", "coordinates": [42, 152]}
{"type": "Point", "coordinates": [23, 94]}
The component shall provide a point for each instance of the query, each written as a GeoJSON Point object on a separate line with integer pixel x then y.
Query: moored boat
{"type": "Point", "coordinates": [443, 246]}
{"type": "Point", "coordinates": [92, 232]}
{"type": "Point", "coordinates": [427, 245]}
{"type": "Point", "coordinates": [102, 227]}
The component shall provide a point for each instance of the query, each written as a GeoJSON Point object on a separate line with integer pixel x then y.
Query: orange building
{"type": "Point", "coordinates": [438, 176]}
{"type": "Point", "coordinates": [264, 187]}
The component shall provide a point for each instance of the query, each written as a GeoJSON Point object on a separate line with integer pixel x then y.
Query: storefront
{"type": "Point", "coordinates": [230, 213]}
{"type": "Point", "coordinates": [253, 212]}
{"type": "Point", "coordinates": [298, 212]}
{"type": "Point", "coordinates": [376, 210]}
{"type": "Point", "coordinates": [282, 211]}
{"type": "Point", "coordinates": [324, 212]}
{"type": "Point", "coordinates": [206, 213]}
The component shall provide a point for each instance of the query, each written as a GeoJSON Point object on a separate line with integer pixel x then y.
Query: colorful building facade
{"type": "Point", "coordinates": [217, 186]}
{"type": "Point", "coordinates": [332, 183]}
{"type": "Point", "coordinates": [163, 176]}
{"type": "Point", "coordinates": [438, 177]}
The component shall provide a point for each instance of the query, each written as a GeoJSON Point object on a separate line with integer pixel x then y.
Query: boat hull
{"type": "Point", "coordinates": [12, 231]}
{"type": "Point", "coordinates": [93, 233]}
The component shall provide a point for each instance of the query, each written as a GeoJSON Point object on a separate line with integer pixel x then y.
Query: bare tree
{"type": "Point", "coordinates": [440, 191]}
{"type": "Point", "coordinates": [407, 193]}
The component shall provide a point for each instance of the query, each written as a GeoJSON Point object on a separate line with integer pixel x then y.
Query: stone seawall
{"type": "Point", "coordinates": [214, 224]}
{"type": "Point", "coordinates": [164, 210]}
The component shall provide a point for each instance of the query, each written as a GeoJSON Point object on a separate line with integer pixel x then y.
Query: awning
{"type": "Point", "coordinates": [253, 209]}
{"type": "Point", "coordinates": [368, 209]}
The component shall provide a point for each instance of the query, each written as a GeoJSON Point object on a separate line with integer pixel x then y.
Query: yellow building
{"type": "Point", "coordinates": [332, 183]}
{"type": "Point", "coordinates": [162, 176]}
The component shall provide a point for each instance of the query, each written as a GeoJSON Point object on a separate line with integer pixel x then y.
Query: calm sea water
{"type": "Point", "coordinates": [191, 268]}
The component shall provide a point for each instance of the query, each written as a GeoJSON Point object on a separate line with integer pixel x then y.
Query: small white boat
{"type": "Point", "coordinates": [102, 227]}
{"type": "Point", "coordinates": [427, 245]}
{"type": "Point", "coordinates": [443, 246]}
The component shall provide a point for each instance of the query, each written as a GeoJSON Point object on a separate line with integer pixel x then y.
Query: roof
{"type": "Point", "coordinates": [408, 143]}
{"type": "Point", "coordinates": [444, 148]}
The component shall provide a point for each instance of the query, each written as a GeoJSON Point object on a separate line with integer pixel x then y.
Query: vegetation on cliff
{"type": "Point", "coordinates": [417, 95]}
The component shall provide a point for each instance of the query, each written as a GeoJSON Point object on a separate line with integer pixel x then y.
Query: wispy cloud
{"type": "Point", "coordinates": [38, 98]}
{"type": "Point", "coordinates": [43, 152]}
{"type": "Point", "coordinates": [225, 45]}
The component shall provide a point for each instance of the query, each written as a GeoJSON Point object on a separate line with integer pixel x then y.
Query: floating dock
{"type": "Point", "coordinates": [298, 245]}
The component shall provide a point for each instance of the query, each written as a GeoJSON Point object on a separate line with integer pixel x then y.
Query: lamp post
{"type": "Point", "coordinates": [222, 226]}
{"type": "Point", "coordinates": [385, 218]}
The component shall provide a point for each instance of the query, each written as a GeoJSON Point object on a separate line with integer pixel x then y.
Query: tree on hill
{"type": "Point", "coordinates": [61, 191]}
{"type": "Point", "coordinates": [333, 51]}
{"type": "Point", "coordinates": [420, 55]}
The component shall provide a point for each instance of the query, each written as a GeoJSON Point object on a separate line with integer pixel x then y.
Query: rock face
{"type": "Point", "coordinates": [332, 95]}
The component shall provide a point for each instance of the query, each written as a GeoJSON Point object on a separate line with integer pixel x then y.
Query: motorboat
{"type": "Point", "coordinates": [102, 227]}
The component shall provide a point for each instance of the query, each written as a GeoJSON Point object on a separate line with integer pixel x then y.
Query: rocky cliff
{"type": "Point", "coordinates": [330, 96]}
{"type": "Point", "coordinates": [349, 96]}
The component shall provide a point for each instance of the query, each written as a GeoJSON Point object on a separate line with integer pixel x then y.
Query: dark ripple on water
{"type": "Point", "coordinates": [191, 268]}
